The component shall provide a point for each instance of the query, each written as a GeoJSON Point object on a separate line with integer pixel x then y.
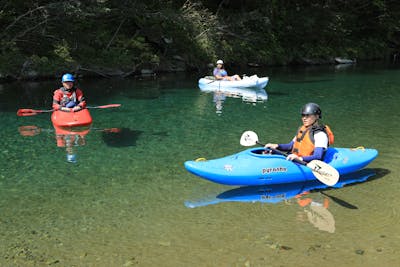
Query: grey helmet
{"type": "Point", "coordinates": [311, 109]}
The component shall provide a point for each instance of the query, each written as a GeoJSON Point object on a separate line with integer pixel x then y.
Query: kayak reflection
{"type": "Point", "coordinates": [70, 138]}
{"type": "Point", "coordinates": [66, 137]}
{"type": "Point", "coordinates": [248, 95]}
{"type": "Point", "coordinates": [315, 209]}
{"type": "Point", "coordinates": [277, 192]}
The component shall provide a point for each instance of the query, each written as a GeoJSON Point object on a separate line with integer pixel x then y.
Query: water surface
{"type": "Point", "coordinates": [123, 202]}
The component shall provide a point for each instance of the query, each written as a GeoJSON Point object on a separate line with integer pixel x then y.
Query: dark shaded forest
{"type": "Point", "coordinates": [123, 38]}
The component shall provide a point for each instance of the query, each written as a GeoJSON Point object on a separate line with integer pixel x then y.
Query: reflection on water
{"type": "Point", "coordinates": [72, 137]}
{"type": "Point", "coordinates": [314, 210]}
{"type": "Point", "coordinates": [340, 67]}
{"type": "Point", "coordinates": [248, 95]}
{"type": "Point", "coordinates": [218, 99]}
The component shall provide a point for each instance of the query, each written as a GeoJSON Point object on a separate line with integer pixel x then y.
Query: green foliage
{"type": "Point", "coordinates": [130, 35]}
{"type": "Point", "coordinates": [62, 50]}
{"type": "Point", "coordinates": [11, 60]}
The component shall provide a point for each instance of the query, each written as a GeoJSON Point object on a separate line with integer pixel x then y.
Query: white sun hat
{"type": "Point", "coordinates": [220, 61]}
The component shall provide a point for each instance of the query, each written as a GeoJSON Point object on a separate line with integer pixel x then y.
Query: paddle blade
{"type": "Point", "coordinates": [110, 106]}
{"type": "Point", "coordinates": [249, 138]}
{"type": "Point", "coordinates": [26, 112]}
{"type": "Point", "coordinates": [29, 130]}
{"type": "Point", "coordinates": [324, 172]}
{"type": "Point", "coordinates": [111, 130]}
{"type": "Point", "coordinates": [31, 112]}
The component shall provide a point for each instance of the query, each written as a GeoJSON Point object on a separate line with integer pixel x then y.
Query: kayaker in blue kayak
{"type": "Point", "coordinates": [312, 138]}
{"type": "Point", "coordinates": [68, 97]}
{"type": "Point", "coordinates": [221, 74]}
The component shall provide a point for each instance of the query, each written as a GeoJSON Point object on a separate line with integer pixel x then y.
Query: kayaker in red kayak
{"type": "Point", "coordinates": [312, 138]}
{"type": "Point", "coordinates": [68, 97]}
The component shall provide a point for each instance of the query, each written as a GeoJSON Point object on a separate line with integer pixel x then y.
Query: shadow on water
{"type": "Point", "coordinates": [282, 192]}
{"type": "Point", "coordinates": [277, 93]}
{"type": "Point", "coordinates": [123, 138]}
{"type": "Point", "coordinates": [312, 208]}
{"type": "Point", "coordinates": [379, 173]}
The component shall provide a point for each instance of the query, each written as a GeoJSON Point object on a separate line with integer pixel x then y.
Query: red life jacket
{"type": "Point", "coordinates": [62, 97]}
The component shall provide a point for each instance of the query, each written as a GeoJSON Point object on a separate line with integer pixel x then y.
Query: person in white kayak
{"type": "Point", "coordinates": [221, 74]}
{"type": "Point", "coordinates": [312, 138]}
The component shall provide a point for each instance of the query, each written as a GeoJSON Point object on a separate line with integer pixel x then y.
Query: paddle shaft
{"type": "Point", "coordinates": [284, 154]}
{"type": "Point", "coordinates": [321, 170]}
{"type": "Point", "coordinates": [31, 112]}
{"type": "Point", "coordinates": [106, 106]}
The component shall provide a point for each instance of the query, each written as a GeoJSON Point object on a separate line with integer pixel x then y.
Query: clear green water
{"type": "Point", "coordinates": [123, 202]}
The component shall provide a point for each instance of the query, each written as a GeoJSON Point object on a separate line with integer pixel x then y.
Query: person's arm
{"type": "Point", "coordinates": [56, 100]}
{"type": "Point", "coordinates": [286, 147]}
{"type": "Point", "coordinates": [80, 98]}
{"type": "Point", "coordinates": [317, 155]}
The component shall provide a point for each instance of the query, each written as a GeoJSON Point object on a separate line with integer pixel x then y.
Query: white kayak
{"type": "Point", "coordinates": [210, 83]}
{"type": "Point", "coordinates": [339, 60]}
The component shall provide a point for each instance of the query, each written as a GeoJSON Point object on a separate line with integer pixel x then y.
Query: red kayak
{"type": "Point", "coordinates": [71, 119]}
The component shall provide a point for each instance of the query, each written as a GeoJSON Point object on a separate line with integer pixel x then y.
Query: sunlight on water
{"type": "Point", "coordinates": [128, 201]}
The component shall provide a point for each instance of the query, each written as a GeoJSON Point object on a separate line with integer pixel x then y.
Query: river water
{"type": "Point", "coordinates": [128, 201]}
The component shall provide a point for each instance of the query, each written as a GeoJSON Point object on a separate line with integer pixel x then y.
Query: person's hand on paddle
{"type": "Point", "coordinates": [76, 108]}
{"type": "Point", "coordinates": [65, 109]}
{"type": "Point", "coordinates": [324, 172]}
{"type": "Point", "coordinates": [269, 145]}
{"type": "Point", "coordinates": [292, 157]}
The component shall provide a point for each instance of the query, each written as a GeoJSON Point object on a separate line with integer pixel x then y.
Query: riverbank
{"type": "Point", "coordinates": [113, 39]}
{"type": "Point", "coordinates": [31, 71]}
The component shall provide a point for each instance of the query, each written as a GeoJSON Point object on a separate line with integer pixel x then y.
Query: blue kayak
{"type": "Point", "coordinates": [252, 167]}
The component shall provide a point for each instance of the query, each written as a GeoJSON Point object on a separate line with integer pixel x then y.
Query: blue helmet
{"type": "Point", "coordinates": [71, 158]}
{"type": "Point", "coordinates": [67, 78]}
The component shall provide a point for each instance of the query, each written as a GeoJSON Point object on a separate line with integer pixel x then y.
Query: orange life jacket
{"type": "Point", "coordinates": [304, 141]}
